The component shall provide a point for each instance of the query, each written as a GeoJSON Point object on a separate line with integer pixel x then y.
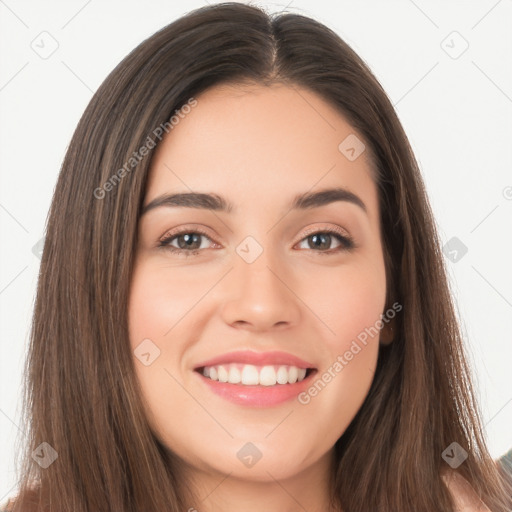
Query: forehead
{"type": "Point", "coordinates": [254, 142]}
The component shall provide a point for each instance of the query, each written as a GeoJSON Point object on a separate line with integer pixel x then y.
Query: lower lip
{"type": "Point", "coordinates": [256, 396]}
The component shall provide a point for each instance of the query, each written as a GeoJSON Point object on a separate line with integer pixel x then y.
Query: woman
{"type": "Point", "coordinates": [190, 348]}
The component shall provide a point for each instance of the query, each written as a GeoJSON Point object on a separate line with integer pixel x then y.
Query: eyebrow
{"type": "Point", "coordinates": [219, 204]}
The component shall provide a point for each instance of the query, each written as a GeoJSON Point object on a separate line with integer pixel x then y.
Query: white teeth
{"type": "Point", "coordinates": [267, 376]}
{"type": "Point", "coordinates": [282, 375]}
{"type": "Point", "coordinates": [250, 375]}
{"type": "Point", "coordinates": [234, 375]}
{"type": "Point", "coordinates": [223, 374]}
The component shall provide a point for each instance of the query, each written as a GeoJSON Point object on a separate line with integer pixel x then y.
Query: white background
{"type": "Point", "coordinates": [456, 112]}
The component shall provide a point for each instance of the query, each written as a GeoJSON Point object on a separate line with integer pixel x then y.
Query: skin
{"type": "Point", "coordinates": [258, 147]}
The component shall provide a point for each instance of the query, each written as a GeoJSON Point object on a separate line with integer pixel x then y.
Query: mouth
{"type": "Point", "coordinates": [256, 379]}
{"type": "Point", "coordinates": [253, 375]}
{"type": "Point", "coordinates": [255, 386]}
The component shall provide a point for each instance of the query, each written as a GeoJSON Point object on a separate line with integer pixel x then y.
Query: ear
{"type": "Point", "coordinates": [388, 332]}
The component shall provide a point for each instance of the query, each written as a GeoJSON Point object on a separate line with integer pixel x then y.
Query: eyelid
{"type": "Point", "coordinates": [340, 231]}
{"type": "Point", "coordinates": [191, 228]}
{"type": "Point", "coordinates": [188, 228]}
{"type": "Point", "coordinates": [196, 228]}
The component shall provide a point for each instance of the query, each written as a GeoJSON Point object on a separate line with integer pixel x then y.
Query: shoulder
{"type": "Point", "coordinates": [506, 462]}
{"type": "Point", "coordinates": [465, 498]}
{"type": "Point", "coordinates": [30, 501]}
{"type": "Point", "coordinates": [6, 506]}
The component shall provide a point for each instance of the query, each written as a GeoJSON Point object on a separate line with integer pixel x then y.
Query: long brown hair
{"type": "Point", "coordinates": [82, 396]}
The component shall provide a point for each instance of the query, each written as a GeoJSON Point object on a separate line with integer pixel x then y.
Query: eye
{"type": "Point", "coordinates": [322, 240]}
{"type": "Point", "coordinates": [188, 242]}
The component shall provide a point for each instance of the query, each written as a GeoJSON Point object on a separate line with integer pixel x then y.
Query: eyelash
{"type": "Point", "coordinates": [347, 244]}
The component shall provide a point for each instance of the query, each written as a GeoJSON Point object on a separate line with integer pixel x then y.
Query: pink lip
{"type": "Point", "coordinates": [257, 396]}
{"type": "Point", "coordinates": [257, 359]}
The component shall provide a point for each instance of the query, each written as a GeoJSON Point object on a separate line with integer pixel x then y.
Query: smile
{"type": "Point", "coordinates": [251, 375]}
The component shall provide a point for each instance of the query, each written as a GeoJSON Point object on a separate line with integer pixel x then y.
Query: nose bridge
{"type": "Point", "coordinates": [261, 296]}
{"type": "Point", "coordinates": [258, 268]}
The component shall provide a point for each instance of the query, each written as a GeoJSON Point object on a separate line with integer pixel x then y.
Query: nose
{"type": "Point", "coordinates": [261, 296]}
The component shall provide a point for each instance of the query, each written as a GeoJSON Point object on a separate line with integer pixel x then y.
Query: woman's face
{"type": "Point", "coordinates": [259, 292]}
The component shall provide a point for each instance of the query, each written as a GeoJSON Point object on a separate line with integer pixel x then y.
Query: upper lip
{"type": "Point", "coordinates": [257, 359]}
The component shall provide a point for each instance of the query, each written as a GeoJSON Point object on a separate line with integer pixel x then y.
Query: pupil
{"type": "Point", "coordinates": [189, 241]}
{"type": "Point", "coordinates": [324, 236]}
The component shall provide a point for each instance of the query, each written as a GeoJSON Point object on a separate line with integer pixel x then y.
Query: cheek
{"type": "Point", "coordinates": [157, 303]}
{"type": "Point", "coordinates": [155, 308]}
{"type": "Point", "coordinates": [360, 307]}
{"type": "Point", "coordinates": [160, 298]}
{"type": "Point", "coordinates": [348, 301]}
